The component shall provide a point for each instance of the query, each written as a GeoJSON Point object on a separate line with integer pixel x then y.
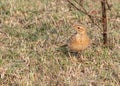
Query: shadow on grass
{"type": "Point", "coordinates": [64, 50]}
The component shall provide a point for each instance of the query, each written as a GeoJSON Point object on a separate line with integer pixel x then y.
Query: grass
{"type": "Point", "coordinates": [31, 33]}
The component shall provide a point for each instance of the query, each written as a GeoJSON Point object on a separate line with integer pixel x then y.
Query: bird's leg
{"type": "Point", "coordinates": [69, 54]}
{"type": "Point", "coordinates": [81, 56]}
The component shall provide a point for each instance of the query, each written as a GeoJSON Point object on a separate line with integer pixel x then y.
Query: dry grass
{"type": "Point", "coordinates": [31, 32]}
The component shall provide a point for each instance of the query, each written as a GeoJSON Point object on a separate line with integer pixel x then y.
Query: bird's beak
{"type": "Point", "coordinates": [74, 26]}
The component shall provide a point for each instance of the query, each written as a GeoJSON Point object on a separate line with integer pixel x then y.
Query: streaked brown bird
{"type": "Point", "coordinates": [80, 40]}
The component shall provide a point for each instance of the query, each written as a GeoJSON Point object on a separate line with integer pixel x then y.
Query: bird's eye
{"type": "Point", "coordinates": [78, 27]}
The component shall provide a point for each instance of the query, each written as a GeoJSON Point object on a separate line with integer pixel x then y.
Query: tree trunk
{"type": "Point", "coordinates": [104, 21]}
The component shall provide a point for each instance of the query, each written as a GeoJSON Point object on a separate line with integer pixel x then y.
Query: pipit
{"type": "Point", "coordinates": [79, 41]}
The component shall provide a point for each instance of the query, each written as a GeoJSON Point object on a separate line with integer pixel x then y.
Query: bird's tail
{"type": "Point", "coordinates": [64, 45]}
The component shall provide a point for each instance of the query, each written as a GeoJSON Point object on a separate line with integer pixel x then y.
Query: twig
{"type": "Point", "coordinates": [108, 5]}
{"type": "Point", "coordinates": [84, 11]}
{"type": "Point", "coordinates": [104, 21]}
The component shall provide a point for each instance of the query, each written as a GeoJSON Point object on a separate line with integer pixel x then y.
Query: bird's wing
{"type": "Point", "coordinates": [72, 39]}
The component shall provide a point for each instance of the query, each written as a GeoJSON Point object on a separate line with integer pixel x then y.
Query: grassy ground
{"type": "Point", "coordinates": [31, 33]}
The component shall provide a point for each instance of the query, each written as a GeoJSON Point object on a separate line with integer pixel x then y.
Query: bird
{"type": "Point", "coordinates": [79, 41]}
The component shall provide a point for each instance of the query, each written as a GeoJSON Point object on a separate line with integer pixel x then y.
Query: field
{"type": "Point", "coordinates": [31, 33]}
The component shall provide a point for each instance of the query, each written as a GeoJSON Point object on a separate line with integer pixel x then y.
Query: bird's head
{"type": "Point", "coordinates": [79, 29]}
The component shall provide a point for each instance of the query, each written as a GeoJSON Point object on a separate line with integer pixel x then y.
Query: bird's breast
{"type": "Point", "coordinates": [79, 43]}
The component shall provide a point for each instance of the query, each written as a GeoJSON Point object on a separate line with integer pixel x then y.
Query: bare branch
{"type": "Point", "coordinates": [108, 5]}
{"type": "Point", "coordinates": [104, 21]}
{"type": "Point", "coordinates": [84, 11]}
